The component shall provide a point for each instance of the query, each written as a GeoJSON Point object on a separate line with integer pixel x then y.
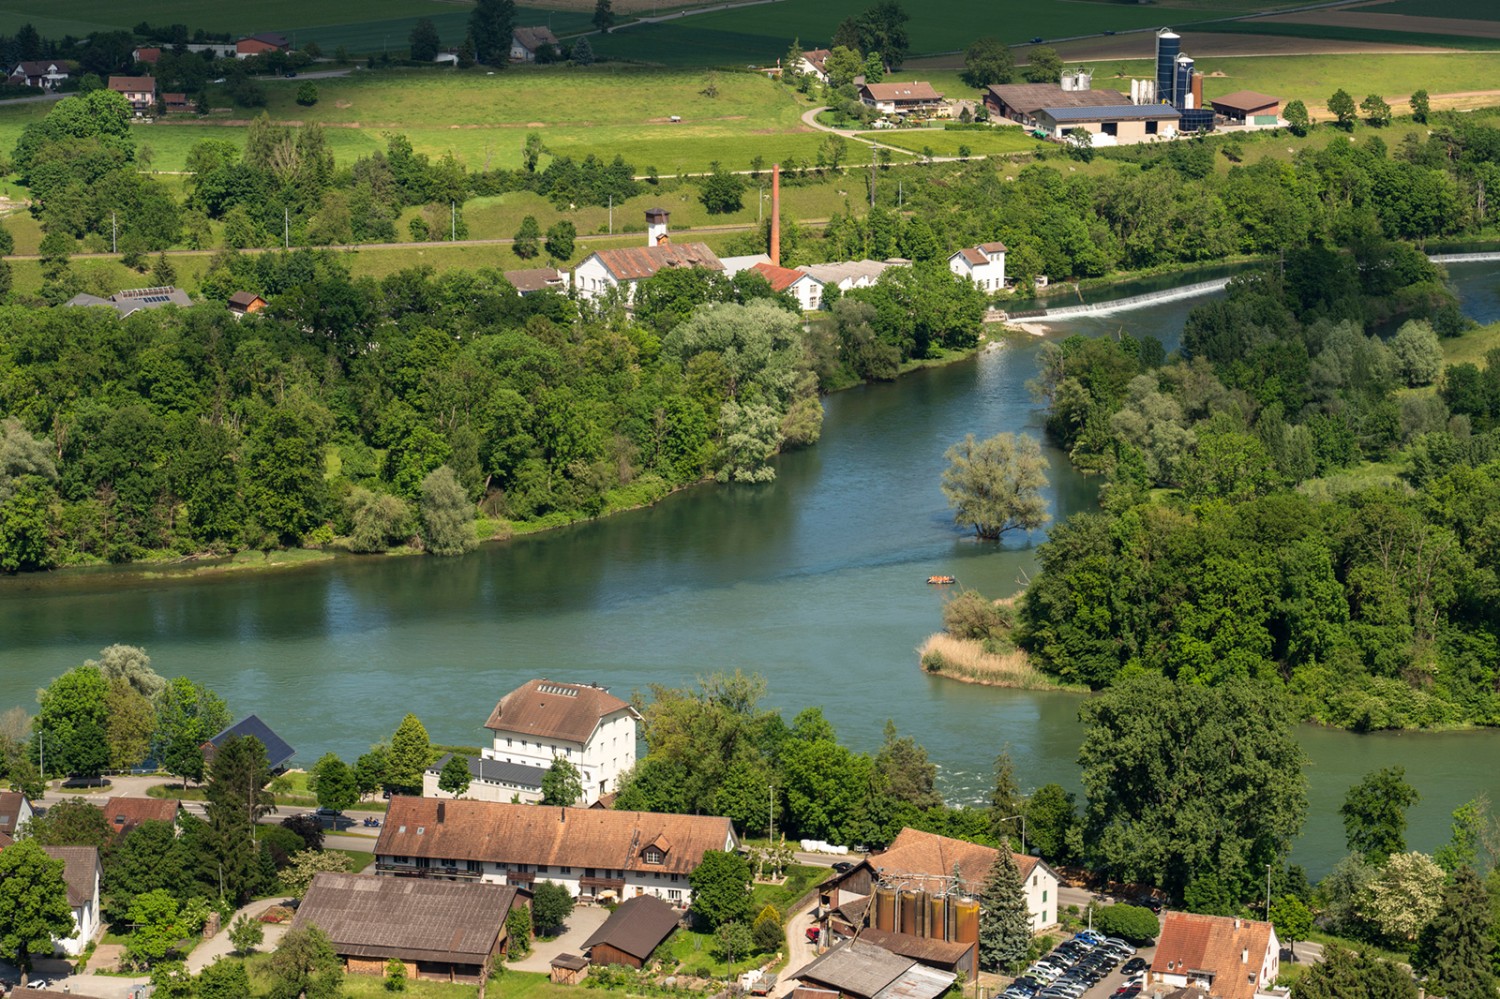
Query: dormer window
{"type": "Point", "coordinates": [654, 856]}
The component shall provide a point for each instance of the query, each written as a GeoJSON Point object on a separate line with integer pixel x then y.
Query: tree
{"type": "Point", "coordinates": [410, 754]}
{"type": "Point", "coordinates": [424, 41]}
{"type": "Point", "coordinates": [767, 930]}
{"type": "Point", "coordinates": [604, 15]}
{"type": "Point", "coordinates": [490, 25]}
{"type": "Point", "coordinates": [162, 271]}
{"type": "Point", "coordinates": [455, 776]}
{"type": "Point", "coordinates": [732, 940]}
{"type": "Point", "coordinates": [1006, 804]}
{"type": "Point", "coordinates": [1473, 830]}
{"type": "Point", "coordinates": [72, 719]}
{"type": "Point", "coordinates": [988, 60]}
{"type": "Point", "coordinates": [1404, 896]}
{"type": "Point", "coordinates": [1043, 65]}
{"type": "Point", "coordinates": [304, 966]}
{"type": "Point", "coordinates": [1341, 106]}
{"type": "Point", "coordinates": [882, 28]}
{"type": "Point", "coordinates": [904, 771]}
{"type": "Point", "coordinates": [996, 485]}
{"type": "Point", "coordinates": [187, 716]}
{"type": "Point", "coordinates": [583, 52]}
{"type": "Point", "coordinates": [333, 783]}
{"type": "Point", "coordinates": [130, 725]}
{"type": "Point", "coordinates": [1297, 118]}
{"type": "Point", "coordinates": [1377, 111]}
{"type": "Point", "coordinates": [1455, 949]}
{"type": "Point", "coordinates": [1164, 802]}
{"type": "Point", "coordinates": [561, 784]}
{"type": "Point", "coordinates": [237, 800]}
{"type": "Point", "coordinates": [395, 975]}
{"type": "Point", "coordinates": [246, 934]}
{"type": "Point", "coordinates": [1004, 920]}
{"type": "Point", "coordinates": [307, 94]}
{"type": "Point", "coordinates": [842, 66]}
{"type": "Point", "coordinates": [222, 980]}
{"type": "Point", "coordinates": [1134, 923]}
{"type": "Point", "coordinates": [72, 823]}
{"type": "Point", "coordinates": [551, 905]}
{"type": "Point", "coordinates": [1417, 352]}
{"type": "Point", "coordinates": [723, 192]}
{"type": "Point", "coordinates": [33, 904]}
{"type": "Point", "coordinates": [721, 889]}
{"type": "Point", "coordinates": [149, 857]}
{"type": "Point", "coordinates": [161, 923]}
{"type": "Point", "coordinates": [874, 68]}
{"type": "Point", "coordinates": [370, 770]}
{"type": "Point", "coordinates": [1051, 816]}
{"type": "Point", "coordinates": [308, 864]}
{"type": "Point", "coordinates": [447, 514]}
{"type": "Point", "coordinates": [560, 238]}
{"type": "Point", "coordinates": [1374, 813]}
{"type": "Point", "coordinates": [1343, 974]}
{"type": "Point", "coordinates": [1421, 106]}
{"type": "Point", "coordinates": [1292, 919]}
{"type": "Point", "coordinates": [527, 238]}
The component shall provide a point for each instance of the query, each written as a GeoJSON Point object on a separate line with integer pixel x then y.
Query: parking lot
{"type": "Point", "coordinates": [1087, 966]}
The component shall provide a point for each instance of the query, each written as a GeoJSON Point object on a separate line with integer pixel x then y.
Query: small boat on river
{"type": "Point", "coordinates": [942, 580]}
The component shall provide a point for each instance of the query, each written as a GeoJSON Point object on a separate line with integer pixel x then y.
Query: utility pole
{"type": "Point", "coordinates": [453, 222]}
{"type": "Point", "coordinates": [1268, 893]}
{"type": "Point", "coordinates": [113, 234]}
{"type": "Point", "coordinates": [900, 196]}
{"type": "Point", "coordinates": [611, 214]}
{"type": "Point", "coordinates": [771, 811]}
{"type": "Point", "coordinates": [286, 228]}
{"type": "Point", "coordinates": [874, 171]}
{"type": "Point", "coordinates": [1023, 828]}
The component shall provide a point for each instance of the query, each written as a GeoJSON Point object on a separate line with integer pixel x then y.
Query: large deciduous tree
{"type": "Point", "coordinates": [424, 40]}
{"type": "Point", "coordinates": [996, 485]}
{"type": "Point", "coordinates": [333, 783]}
{"type": "Point", "coordinates": [71, 728]}
{"type": "Point", "coordinates": [455, 776]}
{"type": "Point", "coordinates": [411, 752]}
{"type": "Point", "coordinates": [33, 904]}
{"type": "Point", "coordinates": [551, 905]}
{"type": "Point", "coordinates": [988, 60]}
{"type": "Point", "coordinates": [490, 25]}
{"type": "Point", "coordinates": [904, 771]}
{"type": "Point", "coordinates": [447, 514]}
{"type": "Point", "coordinates": [721, 889]}
{"type": "Point", "coordinates": [1166, 802]}
{"type": "Point", "coordinates": [561, 784]}
{"type": "Point", "coordinates": [1374, 813]}
{"type": "Point", "coordinates": [304, 966]}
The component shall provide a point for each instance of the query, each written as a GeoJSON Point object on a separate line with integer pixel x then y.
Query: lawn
{"type": "Point", "coordinates": [989, 142]}
{"type": "Point", "coordinates": [1472, 347]}
{"type": "Point", "coordinates": [695, 952]}
{"type": "Point", "coordinates": [1484, 10]}
{"type": "Point", "coordinates": [800, 879]}
{"type": "Point", "coordinates": [1339, 33]}
{"type": "Point", "coordinates": [373, 986]}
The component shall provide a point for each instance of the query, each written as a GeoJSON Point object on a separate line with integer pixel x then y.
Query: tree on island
{"type": "Point", "coordinates": [1374, 813]}
{"type": "Point", "coordinates": [455, 777]}
{"type": "Point", "coordinates": [996, 485]}
{"type": "Point", "coordinates": [561, 784]}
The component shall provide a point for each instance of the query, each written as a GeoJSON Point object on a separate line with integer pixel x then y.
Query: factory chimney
{"type": "Point", "coordinates": [776, 214]}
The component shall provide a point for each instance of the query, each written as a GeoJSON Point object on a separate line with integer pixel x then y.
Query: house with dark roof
{"type": "Point", "coordinates": [14, 810]}
{"type": "Point", "coordinates": [278, 751]}
{"type": "Point", "coordinates": [81, 872]}
{"type": "Point", "coordinates": [243, 303]}
{"type": "Point", "coordinates": [814, 63]}
{"type": "Point", "coordinates": [592, 852]}
{"type": "Point", "coordinates": [534, 279]}
{"type": "Point", "coordinates": [934, 952]}
{"type": "Point", "coordinates": [1020, 102]}
{"type": "Point", "coordinates": [983, 264]}
{"type": "Point", "coordinates": [858, 970]}
{"type": "Point", "coordinates": [1111, 124]}
{"type": "Point", "coordinates": [439, 930]}
{"type": "Point", "coordinates": [546, 720]}
{"type": "Point", "coordinates": [139, 92]}
{"type": "Point", "coordinates": [124, 814]}
{"type": "Point", "coordinates": [633, 932]}
{"type": "Point", "coordinates": [917, 97]}
{"type": "Point", "coordinates": [1248, 107]}
{"type": "Point", "coordinates": [45, 74]}
{"type": "Point", "coordinates": [1231, 958]}
{"type": "Point", "coordinates": [600, 272]}
{"type": "Point", "coordinates": [526, 42]}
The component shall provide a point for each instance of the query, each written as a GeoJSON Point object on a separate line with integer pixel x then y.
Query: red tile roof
{"type": "Point", "coordinates": [637, 262]}
{"type": "Point", "coordinates": [132, 84]}
{"type": "Point", "coordinates": [920, 90]}
{"type": "Point", "coordinates": [926, 854]}
{"type": "Point", "coordinates": [151, 55]}
{"type": "Point", "coordinates": [11, 803]}
{"type": "Point", "coordinates": [1230, 950]}
{"type": "Point", "coordinates": [975, 257]}
{"type": "Point", "coordinates": [780, 278]}
{"type": "Point", "coordinates": [124, 814]}
{"type": "Point", "coordinates": [992, 247]}
{"type": "Point", "coordinates": [552, 710]}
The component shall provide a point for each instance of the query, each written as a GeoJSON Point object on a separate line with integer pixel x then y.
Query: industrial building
{"type": "Point", "coordinates": [1111, 125]}
{"type": "Point", "coordinates": [1246, 107]}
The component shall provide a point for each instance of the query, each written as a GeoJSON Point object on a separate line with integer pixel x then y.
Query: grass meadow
{"type": "Point", "coordinates": [987, 142]}
{"type": "Point", "coordinates": [1341, 33]}
{"type": "Point", "coordinates": [1483, 10]}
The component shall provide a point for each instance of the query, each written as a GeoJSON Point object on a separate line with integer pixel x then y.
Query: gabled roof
{"type": "Point", "coordinates": [919, 90]}
{"type": "Point", "coordinates": [925, 950]}
{"type": "Point", "coordinates": [973, 256]}
{"type": "Point", "coordinates": [551, 710]}
{"type": "Point", "coordinates": [860, 969]}
{"type": "Point", "coordinates": [818, 57]}
{"type": "Point", "coordinates": [505, 833]}
{"type": "Point", "coordinates": [1231, 950]}
{"type": "Point", "coordinates": [80, 871]}
{"type": "Point", "coordinates": [30, 993]}
{"type": "Point", "coordinates": [371, 916]}
{"type": "Point", "coordinates": [1112, 112]}
{"type": "Point", "coordinates": [1029, 98]}
{"type": "Point", "coordinates": [278, 751]}
{"type": "Point", "coordinates": [275, 38]}
{"type": "Point", "coordinates": [1244, 101]}
{"type": "Point", "coordinates": [637, 262]}
{"type": "Point", "coordinates": [244, 299]}
{"type": "Point", "coordinates": [535, 279]}
{"type": "Point", "coordinates": [848, 269]}
{"type": "Point", "coordinates": [919, 854]}
{"type": "Point", "coordinates": [11, 805]}
{"type": "Point", "coordinates": [124, 814]}
{"type": "Point", "coordinates": [132, 84]}
{"type": "Point", "coordinates": [148, 55]}
{"type": "Point", "coordinates": [40, 67]}
{"type": "Point", "coordinates": [781, 278]}
{"type": "Point", "coordinates": [733, 265]}
{"type": "Point", "coordinates": [992, 247]}
{"type": "Point", "coordinates": [502, 771]}
{"type": "Point", "coordinates": [532, 39]}
{"type": "Point", "coordinates": [637, 927]}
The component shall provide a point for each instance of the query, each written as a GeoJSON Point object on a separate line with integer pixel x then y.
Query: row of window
{"type": "Point", "coordinates": [477, 866]}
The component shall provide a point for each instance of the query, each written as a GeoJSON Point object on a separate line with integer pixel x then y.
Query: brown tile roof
{"type": "Point", "coordinates": [10, 810]}
{"type": "Point", "coordinates": [919, 853]}
{"type": "Point", "coordinates": [30, 993]}
{"type": "Point", "coordinates": [818, 57]}
{"type": "Point", "coordinates": [552, 710]}
{"type": "Point", "coordinates": [532, 39]}
{"type": "Point", "coordinates": [6, 840]}
{"type": "Point", "coordinates": [80, 871]}
{"type": "Point", "coordinates": [504, 833]}
{"type": "Point", "coordinates": [1245, 101]}
{"type": "Point", "coordinates": [151, 55]}
{"type": "Point", "coordinates": [919, 90]}
{"type": "Point", "coordinates": [1216, 945]}
{"type": "Point", "coordinates": [637, 927]}
{"type": "Point", "coordinates": [780, 278]}
{"type": "Point", "coordinates": [974, 256]}
{"type": "Point", "coordinates": [124, 814]}
{"type": "Point", "coordinates": [415, 919]}
{"type": "Point", "coordinates": [123, 84]}
{"type": "Point", "coordinates": [571, 962]}
{"type": "Point", "coordinates": [927, 950]}
{"type": "Point", "coordinates": [534, 278]}
{"type": "Point", "coordinates": [992, 247]}
{"type": "Point", "coordinates": [1029, 98]}
{"type": "Point", "coordinates": [637, 262]}
{"type": "Point", "coordinates": [244, 299]}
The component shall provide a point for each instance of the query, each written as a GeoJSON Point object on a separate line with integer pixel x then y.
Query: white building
{"type": "Point", "coordinates": [604, 270]}
{"type": "Point", "coordinates": [47, 75]}
{"type": "Point", "coordinates": [806, 289]}
{"type": "Point", "coordinates": [1231, 958]}
{"type": "Point", "coordinates": [544, 721]}
{"type": "Point", "coordinates": [983, 264]}
{"type": "Point", "coordinates": [813, 63]}
{"type": "Point", "coordinates": [81, 872]}
{"type": "Point", "coordinates": [526, 42]}
{"type": "Point", "coordinates": [848, 275]}
{"type": "Point", "coordinates": [589, 851]}
{"type": "Point", "coordinates": [15, 810]}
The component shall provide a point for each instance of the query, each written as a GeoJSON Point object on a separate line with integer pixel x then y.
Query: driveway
{"type": "Point", "coordinates": [580, 926]}
{"type": "Point", "coordinates": [218, 945]}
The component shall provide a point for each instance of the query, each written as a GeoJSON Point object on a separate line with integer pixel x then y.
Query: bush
{"type": "Point", "coordinates": [971, 615]}
{"type": "Point", "coordinates": [1134, 923]}
{"type": "Point", "coordinates": [395, 975]}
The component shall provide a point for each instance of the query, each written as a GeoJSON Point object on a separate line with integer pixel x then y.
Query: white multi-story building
{"type": "Point", "coordinates": [589, 851]}
{"type": "Point", "coordinates": [627, 267]}
{"type": "Point", "coordinates": [983, 264]}
{"type": "Point", "coordinates": [1231, 958]}
{"type": "Point", "coordinates": [545, 721]}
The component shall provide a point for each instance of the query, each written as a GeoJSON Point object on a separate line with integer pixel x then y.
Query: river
{"type": "Point", "coordinates": [816, 581]}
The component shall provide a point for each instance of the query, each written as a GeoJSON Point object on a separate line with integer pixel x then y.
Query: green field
{"type": "Point", "coordinates": [1484, 10]}
{"type": "Point", "coordinates": [1337, 33]}
{"type": "Point", "coordinates": [990, 142]}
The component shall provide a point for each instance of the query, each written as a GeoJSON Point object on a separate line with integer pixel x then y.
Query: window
{"type": "Point", "coordinates": [588, 872]}
{"type": "Point", "coordinates": [565, 870]}
{"type": "Point", "coordinates": [424, 862]}
{"type": "Point", "coordinates": [541, 868]}
{"type": "Point", "coordinates": [653, 856]}
{"type": "Point", "coordinates": [507, 745]}
{"type": "Point", "coordinates": [474, 866]}
{"type": "Point", "coordinates": [1034, 880]}
{"type": "Point", "coordinates": [1044, 895]}
{"type": "Point", "coordinates": [674, 877]}
{"type": "Point", "coordinates": [674, 894]}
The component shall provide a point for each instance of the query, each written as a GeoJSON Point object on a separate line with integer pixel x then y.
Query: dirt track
{"type": "Point", "coordinates": [1462, 27]}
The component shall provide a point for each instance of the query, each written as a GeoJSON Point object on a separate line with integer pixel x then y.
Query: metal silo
{"type": "Point", "coordinates": [937, 917]}
{"type": "Point", "coordinates": [1182, 87]}
{"type": "Point", "coordinates": [966, 923]}
{"type": "Point", "coordinates": [885, 908]}
{"type": "Point", "coordinates": [1168, 47]}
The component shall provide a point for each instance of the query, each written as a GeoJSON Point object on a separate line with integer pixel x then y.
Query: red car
{"type": "Point", "coordinates": [812, 934]}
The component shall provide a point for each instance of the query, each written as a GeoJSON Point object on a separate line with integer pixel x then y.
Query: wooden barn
{"type": "Point", "coordinates": [632, 932]}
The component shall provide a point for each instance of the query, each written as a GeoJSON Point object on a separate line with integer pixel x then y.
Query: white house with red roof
{"type": "Point", "coordinates": [807, 289]}
{"type": "Point", "coordinates": [983, 264]}
{"type": "Point", "coordinates": [600, 272]}
{"type": "Point", "coordinates": [1231, 958]}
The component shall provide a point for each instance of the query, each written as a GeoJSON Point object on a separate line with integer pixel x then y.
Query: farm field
{"type": "Point", "coordinates": [1333, 33]}
{"type": "Point", "coordinates": [1483, 10]}
{"type": "Point", "coordinates": [987, 142]}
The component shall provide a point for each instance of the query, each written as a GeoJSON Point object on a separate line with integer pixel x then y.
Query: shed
{"type": "Point", "coordinates": [1248, 106]}
{"type": "Point", "coordinates": [569, 969]}
{"type": "Point", "coordinates": [632, 932]}
{"type": "Point", "coordinates": [243, 303]}
{"type": "Point", "coordinates": [278, 751]}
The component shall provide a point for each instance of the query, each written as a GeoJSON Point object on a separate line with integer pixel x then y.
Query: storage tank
{"type": "Point", "coordinates": [1182, 88]}
{"type": "Point", "coordinates": [1168, 47]}
{"type": "Point", "coordinates": [911, 912]}
{"type": "Point", "coordinates": [885, 908]}
{"type": "Point", "coordinates": [966, 922]}
{"type": "Point", "coordinates": [937, 917]}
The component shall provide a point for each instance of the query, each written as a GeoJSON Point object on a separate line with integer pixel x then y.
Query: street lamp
{"type": "Point", "coordinates": [1023, 828]}
{"type": "Point", "coordinates": [1268, 893]}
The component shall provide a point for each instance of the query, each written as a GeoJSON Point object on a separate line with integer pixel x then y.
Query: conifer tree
{"type": "Point", "coordinates": [411, 751]}
{"type": "Point", "coordinates": [1455, 947]}
{"type": "Point", "coordinates": [1004, 922]}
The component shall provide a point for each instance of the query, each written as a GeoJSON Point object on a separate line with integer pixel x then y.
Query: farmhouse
{"type": "Point", "coordinates": [632, 932]}
{"type": "Point", "coordinates": [850, 274]}
{"type": "Point", "coordinates": [124, 814]}
{"type": "Point", "coordinates": [807, 289]}
{"type": "Point", "coordinates": [1246, 107]}
{"type": "Point", "coordinates": [1020, 102]}
{"type": "Point", "coordinates": [175, 102]}
{"type": "Point", "coordinates": [526, 42]}
{"type": "Point", "coordinates": [855, 969]}
{"type": "Point", "coordinates": [150, 56]}
{"type": "Point", "coordinates": [983, 264]}
{"type": "Point", "coordinates": [438, 930]}
{"type": "Point", "coordinates": [813, 63]}
{"type": "Point", "coordinates": [592, 852]}
{"type": "Point", "coordinates": [902, 98]}
{"type": "Point", "coordinates": [278, 752]}
{"type": "Point", "coordinates": [542, 721]}
{"type": "Point", "coordinates": [260, 44]}
{"type": "Point", "coordinates": [43, 74]}
{"type": "Point", "coordinates": [604, 270]}
{"type": "Point", "coordinates": [733, 265]}
{"type": "Point", "coordinates": [81, 872]}
{"type": "Point", "coordinates": [15, 810]}
{"type": "Point", "coordinates": [535, 279]}
{"type": "Point", "coordinates": [911, 889]}
{"type": "Point", "coordinates": [1231, 958]}
{"type": "Point", "coordinates": [138, 91]}
{"type": "Point", "coordinates": [244, 303]}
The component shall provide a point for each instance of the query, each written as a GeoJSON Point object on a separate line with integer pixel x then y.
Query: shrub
{"type": "Point", "coordinates": [1134, 923]}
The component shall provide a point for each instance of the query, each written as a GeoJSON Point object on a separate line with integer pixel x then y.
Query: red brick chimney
{"type": "Point", "coordinates": [776, 214]}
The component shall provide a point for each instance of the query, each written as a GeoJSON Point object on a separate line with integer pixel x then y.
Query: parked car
{"type": "Point", "coordinates": [1133, 965]}
{"type": "Point", "coordinates": [843, 867]}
